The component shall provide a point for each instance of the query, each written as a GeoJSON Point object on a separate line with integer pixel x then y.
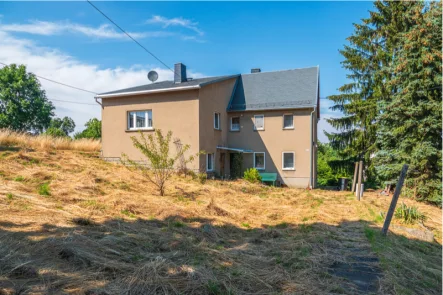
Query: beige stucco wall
{"type": "Point", "coordinates": [214, 98]}
{"type": "Point", "coordinates": [175, 111]}
{"type": "Point", "coordinates": [274, 140]}
{"type": "Point", "coordinates": [190, 116]}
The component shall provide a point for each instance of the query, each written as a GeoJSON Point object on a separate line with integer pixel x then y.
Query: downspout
{"type": "Point", "coordinates": [101, 140]}
{"type": "Point", "coordinates": [96, 100]}
{"type": "Point", "coordinates": [311, 180]}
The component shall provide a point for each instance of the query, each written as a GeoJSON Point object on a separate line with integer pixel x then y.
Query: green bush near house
{"type": "Point", "coordinates": [252, 175]}
{"type": "Point", "coordinates": [202, 177]}
{"type": "Point", "coordinates": [236, 165]}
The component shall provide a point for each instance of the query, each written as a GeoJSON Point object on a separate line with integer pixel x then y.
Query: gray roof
{"type": "Point", "coordinates": [276, 90]}
{"type": "Point", "coordinates": [170, 85]}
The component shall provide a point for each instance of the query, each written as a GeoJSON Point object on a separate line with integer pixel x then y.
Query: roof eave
{"type": "Point", "coordinates": [198, 86]}
{"type": "Point", "coordinates": [272, 109]}
{"type": "Point", "coordinates": [130, 93]}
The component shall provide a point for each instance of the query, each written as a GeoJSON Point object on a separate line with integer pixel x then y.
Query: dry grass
{"type": "Point", "coordinates": [104, 230]}
{"type": "Point", "coordinates": [42, 142]}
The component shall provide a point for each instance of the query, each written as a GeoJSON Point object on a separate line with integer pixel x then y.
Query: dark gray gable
{"type": "Point", "coordinates": [170, 85]}
{"type": "Point", "coordinates": [276, 90]}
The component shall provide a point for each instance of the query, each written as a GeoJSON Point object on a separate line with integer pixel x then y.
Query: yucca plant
{"type": "Point", "coordinates": [409, 214]}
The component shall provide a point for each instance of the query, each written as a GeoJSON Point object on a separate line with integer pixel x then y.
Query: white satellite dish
{"type": "Point", "coordinates": [152, 76]}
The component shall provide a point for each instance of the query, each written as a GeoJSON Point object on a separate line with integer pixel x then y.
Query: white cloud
{"type": "Point", "coordinates": [59, 66]}
{"type": "Point", "coordinates": [177, 21]}
{"type": "Point", "coordinates": [105, 31]}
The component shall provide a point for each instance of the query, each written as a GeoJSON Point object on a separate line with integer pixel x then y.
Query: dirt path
{"type": "Point", "coordinates": [359, 266]}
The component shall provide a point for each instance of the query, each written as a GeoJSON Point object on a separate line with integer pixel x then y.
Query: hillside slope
{"type": "Point", "coordinates": [71, 223]}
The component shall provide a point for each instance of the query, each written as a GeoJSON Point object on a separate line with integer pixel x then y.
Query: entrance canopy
{"type": "Point", "coordinates": [235, 149]}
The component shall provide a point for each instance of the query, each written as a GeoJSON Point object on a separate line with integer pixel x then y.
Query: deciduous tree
{"type": "Point", "coordinates": [93, 130]}
{"type": "Point", "coordinates": [23, 103]}
{"type": "Point", "coordinates": [160, 163]}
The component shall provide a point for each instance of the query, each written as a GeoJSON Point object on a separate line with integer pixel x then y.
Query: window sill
{"type": "Point", "coordinates": [288, 169]}
{"type": "Point", "coordinates": [288, 128]}
{"type": "Point", "coordinates": [217, 129]}
{"type": "Point", "coordinates": [234, 130]}
{"type": "Point", "coordinates": [259, 129]}
{"type": "Point", "coordinates": [260, 168]}
{"type": "Point", "coordinates": [141, 129]}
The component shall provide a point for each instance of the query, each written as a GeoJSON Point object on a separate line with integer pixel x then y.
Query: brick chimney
{"type": "Point", "coordinates": [179, 73]}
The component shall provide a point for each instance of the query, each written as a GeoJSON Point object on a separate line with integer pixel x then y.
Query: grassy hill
{"type": "Point", "coordinates": [72, 223]}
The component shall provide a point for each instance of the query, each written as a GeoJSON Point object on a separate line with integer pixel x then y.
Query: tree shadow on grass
{"type": "Point", "coordinates": [196, 255]}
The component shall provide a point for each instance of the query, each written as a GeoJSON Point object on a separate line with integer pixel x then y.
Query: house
{"type": "Point", "coordinates": [266, 120]}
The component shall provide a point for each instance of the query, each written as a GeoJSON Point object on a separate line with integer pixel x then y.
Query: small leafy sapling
{"type": "Point", "coordinates": [160, 162]}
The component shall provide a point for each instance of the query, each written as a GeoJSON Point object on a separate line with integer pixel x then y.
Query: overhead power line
{"type": "Point", "coordinates": [60, 83]}
{"type": "Point", "coordinates": [75, 102]}
{"type": "Point", "coordinates": [138, 43]}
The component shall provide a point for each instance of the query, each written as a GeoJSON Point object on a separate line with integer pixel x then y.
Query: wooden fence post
{"type": "Point", "coordinates": [355, 178]}
{"type": "Point", "coordinates": [360, 175]}
{"type": "Point", "coordinates": [391, 210]}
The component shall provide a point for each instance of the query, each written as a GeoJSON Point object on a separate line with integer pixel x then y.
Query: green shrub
{"type": "Point", "coordinates": [236, 165]}
{"type": "Point", "coordinates": [192, 174]}
{"type": "Point", "coordinates": [55, 132]}
{"type": "Point", "coordinates": [43, 189]}
{"type": "Point", "coordinates": [19, 178]}
{"type": "Point", "coordinates": [9, 196]}
{"type": "Point", "coordinates": [409, 214]}
{"type": "Point", "coordinates": [252, 175]}
{"type": "Point", "coordinates": [128, 213]}
{"type": "Point", "coordinates": [202, 177]}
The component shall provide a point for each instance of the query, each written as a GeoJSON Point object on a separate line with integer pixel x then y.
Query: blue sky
{"type": "Point", "coordinates": [71, 42]}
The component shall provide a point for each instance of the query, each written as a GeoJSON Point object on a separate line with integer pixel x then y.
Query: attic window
{"type": "Point", "coordinates": [259, 122]}
{"type": "Point", "coordinates": [288, 121]}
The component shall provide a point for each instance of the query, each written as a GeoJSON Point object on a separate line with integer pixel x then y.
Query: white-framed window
{"type": "Point", "coordinates": [259, 161]}
{"type": "Point", "coordinates": [217, 121]}
{"type": "Point", "coordinates": [288, 121]}
{"type": "Point", "coordinates": [140, 120]}
{"type": "Point", "coordinates": [209, 162]}
{"type": "Point", "coordinates": [235, 123]}
{"type": "Point", "coordinates": [288, 160]}
{"type": "Point", "coordinates": [259, 122]}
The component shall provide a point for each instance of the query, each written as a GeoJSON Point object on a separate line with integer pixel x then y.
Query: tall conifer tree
{"type": "Point", "coordinates": [367, 58]}
{"type": "Point", "coordinates": [410, 121]}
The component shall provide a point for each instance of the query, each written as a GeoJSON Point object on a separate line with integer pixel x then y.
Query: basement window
{"type": "Point", "coordinates": [138, 120]}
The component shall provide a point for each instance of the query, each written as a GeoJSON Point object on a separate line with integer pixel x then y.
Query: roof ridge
{"type": "Point", "coordinates": [287, 70]}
